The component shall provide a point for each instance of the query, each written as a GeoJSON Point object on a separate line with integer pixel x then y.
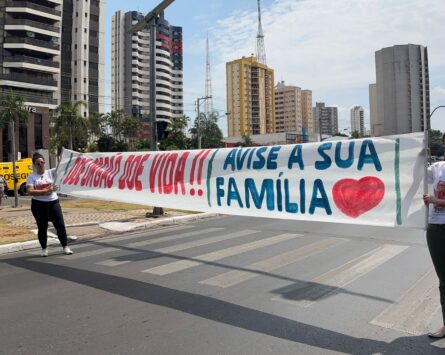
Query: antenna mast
{"type": "Point", "coordinates": [260, 50]}
{"type": "Point", "coordinates": [208, 108]}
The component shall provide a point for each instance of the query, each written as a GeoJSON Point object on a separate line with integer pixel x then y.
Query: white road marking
{"type": "Point", "coordinates": [413, 311]}
{"type": "Point", "coordinates": [219, 254]}
{"type": "Point", "coordinates": [141, 243]}
{"type": "Point", "coordinates": [345, 274]}
{"type": "Point", "coordinates": [235, 277]}
{"type": "Point", "coordinates": [182, 246]}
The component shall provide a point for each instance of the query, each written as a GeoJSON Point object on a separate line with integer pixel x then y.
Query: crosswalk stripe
{"type": "Point", "coordinates": [174, 237]}
{"type": "Point", "coordinates": [183, 246]}
{"type": "Point", "coordinates": [235, 277]}
{"type": "Point", "coordinates": [332, 280]}
{"type": "Point", "coordinates": [219, 254]}
{"type": "Point", "coordinates": [206, 241]}
{"type": "Point", "coordinates": [100, 251]}
{"type": "Point", "coordinates": [412, 312]}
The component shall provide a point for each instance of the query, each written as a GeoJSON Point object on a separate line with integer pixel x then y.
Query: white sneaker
{"type": "Point", "coordinates": [67, 251]}
{"type": "Point", "coordinates": [44, 252]}
{"type": "Point", "coordinates": [72, 238]}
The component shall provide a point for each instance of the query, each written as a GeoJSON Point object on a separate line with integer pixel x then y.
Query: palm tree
{"type": "Point", "coordinates": [68, 120]}
{"type": "Point", "coordinates": [96, 125]}
{"type": "Point", "coordinates": [12, 109]}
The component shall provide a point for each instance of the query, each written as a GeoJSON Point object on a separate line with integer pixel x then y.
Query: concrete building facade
{"type": "Point", "coordinates": [402, 97]}
{"type": "Point", "coordinates": [250, 97]}
{"type": "Point", "coordinates": [30, 37]}
{"type": "Point", "coordinates": [83, 54]}
{"type": "Point", "coordinates": [326, 119]}
{"type": "Point", "coordinates": [358, 120]}
{"type": "Point", "coordinates": [130, 69]}
{"type": "Point", "coordinates": [306, 111]}
{"type": "Point", "coordinates": [293, 109]}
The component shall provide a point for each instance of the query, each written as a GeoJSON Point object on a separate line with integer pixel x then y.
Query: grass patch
{"type": "Point", "coordinates": [14, 234]}
{"type": "Point", "coordinates": [104, 206]}
{"type": "Point", "coordinates": [99, 205]}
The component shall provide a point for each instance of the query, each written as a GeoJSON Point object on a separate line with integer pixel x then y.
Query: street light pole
{"type": "Point", "coordinates": [14, 167]}
{"type": "Point", "coordinates": [198, 122]}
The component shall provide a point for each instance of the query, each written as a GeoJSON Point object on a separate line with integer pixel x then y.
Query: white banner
{"type": "Point", "coordinates": [372, 181]}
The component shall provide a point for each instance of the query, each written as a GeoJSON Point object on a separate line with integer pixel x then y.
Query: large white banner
{"type": "Point", "coordinates": [376, 181]}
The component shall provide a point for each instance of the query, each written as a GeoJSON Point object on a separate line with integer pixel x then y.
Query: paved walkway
{"type": "Point", "coordinates": [89, 223]}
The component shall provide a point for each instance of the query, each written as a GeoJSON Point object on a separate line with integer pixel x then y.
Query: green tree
{"type": "Point", "coordinates": [176, 138]}
{"type": "Point", "coordinates": [130, 128]}
{"type": "Point", "coordinates": [12, 111]}
{"type": "Point", "coordinates": [115, 120]}
{"type": "Point", "coordinates": [435, 142]}
{"type": "Point", "coordinates": [70, 127]}
{"type": "Point", "coordinates": [355, 135]}
{"type": "Point", "coordinates": [96, 124]}
{"type": "Point", "coordinates": [211, 134]}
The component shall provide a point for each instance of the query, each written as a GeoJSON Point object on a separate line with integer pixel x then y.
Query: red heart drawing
{"type": "Point", "coordinates": [355, 197]}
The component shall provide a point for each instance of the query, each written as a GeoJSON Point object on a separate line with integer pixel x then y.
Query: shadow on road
{"type": "Point", "coordinates": [228, 313]}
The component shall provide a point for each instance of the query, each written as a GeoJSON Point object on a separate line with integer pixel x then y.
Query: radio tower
{"type": "Point", "coordinates": [260, 50]}
{"type": "Point", "coordinates": [208, 108]}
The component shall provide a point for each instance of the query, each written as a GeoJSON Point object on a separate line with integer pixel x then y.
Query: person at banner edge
{"type": "Point", "coordinates": [3, 189]}
{"type": "Point", "coordinates": [435, 234]}
{"type": "Point", "coordinates": [45, 204]}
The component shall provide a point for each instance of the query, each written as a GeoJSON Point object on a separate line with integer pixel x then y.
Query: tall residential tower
{"type": "Point", "coordinates": [250, 97]}
{"type": "Point", "coordinates": [83, 54]}
{"type": "Point", "coordinates": [402, 93]}
{"type": "Point", "coordinates": [358, 120]}
{"type": "Point", "coordinates": [130, 69]}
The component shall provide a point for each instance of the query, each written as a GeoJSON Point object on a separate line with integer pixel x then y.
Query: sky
{"type": "Point", "coordinates": [324, 46]}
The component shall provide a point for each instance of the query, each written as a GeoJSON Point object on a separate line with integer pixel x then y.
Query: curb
{"type": "Point", "coordinates": [129, 226]}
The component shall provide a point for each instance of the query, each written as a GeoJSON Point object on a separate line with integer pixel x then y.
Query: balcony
{"type": "Point", "coordinates": [24, 78]}
{"type": "Point", "coordinates": [22, 22]}
{"type": "Point", "coordinates": [32, 42]}
{"type": "Point", "coordinates": [31, 60]}
{"type": "Point", "coordinates": [30, 5]}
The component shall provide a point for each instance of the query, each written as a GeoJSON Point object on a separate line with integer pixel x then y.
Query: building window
{"type": "Point", "coordinates": [85, 30]}
{"type": "Point", "coordinates": [85, 46]}
{"type": "Point", "coordinates": [75, 46]}
{"type": "Point", "coordinates": [86, 14]}
{"type": "Point", "coordinates": [77, 14]}
{"type": "Point", "coordinates": [85, 97]}
{"type": "Point", "coordinates": [75, 97]}
{"type": "Point", "coordinates": [84, 63]}
{"type": "Point", "coordinates": [75, 62]}
{"type": "Point", "coordinates": [75, 80]}
{"type": "Point", "coordinates": [84, 80]}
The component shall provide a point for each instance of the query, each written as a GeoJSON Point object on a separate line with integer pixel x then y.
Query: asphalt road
{"type": "Point", "coordinates": [229, 285]}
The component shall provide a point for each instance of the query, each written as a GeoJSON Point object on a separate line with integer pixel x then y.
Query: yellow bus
{"type": "Point", "coordinates": [23, 169]}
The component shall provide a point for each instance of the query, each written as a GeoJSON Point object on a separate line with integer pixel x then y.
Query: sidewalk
{"type": "Point", "coordinates": [83, 223]}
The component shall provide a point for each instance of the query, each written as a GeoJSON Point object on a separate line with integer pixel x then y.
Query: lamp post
{"type": "Point", "coordinates": [198, 122]}
{"type": "Point", "coordinates": [151, 19]}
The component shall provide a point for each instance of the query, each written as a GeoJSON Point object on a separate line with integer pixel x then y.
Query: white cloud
{"type": "Point", "coordinates": [329, 46]}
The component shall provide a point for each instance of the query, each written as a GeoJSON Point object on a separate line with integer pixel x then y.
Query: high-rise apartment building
{"type": "Point", "coordinates": [83, 54]}
{"type": "Point", "coordinates": [288, 108]}
{"type": "Point", "coordinates": [293, 109]}
{"type": "Point", "coordinates": [130, 69]}
{"type": "Point", "coordinates": [306, 111]}
{"type": "Point", "coordinates": [358, 120]}
{"type": "Point", "coordinates": [250, 97]}
{"type": "Point", "coordinates": [402, 97]}
{"type": "Point", "coordinates": [50, 57]}
{"type": "Point", "coordinates": [326, 119]}
{"type": "Point", "coordinates": [30, 33]}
